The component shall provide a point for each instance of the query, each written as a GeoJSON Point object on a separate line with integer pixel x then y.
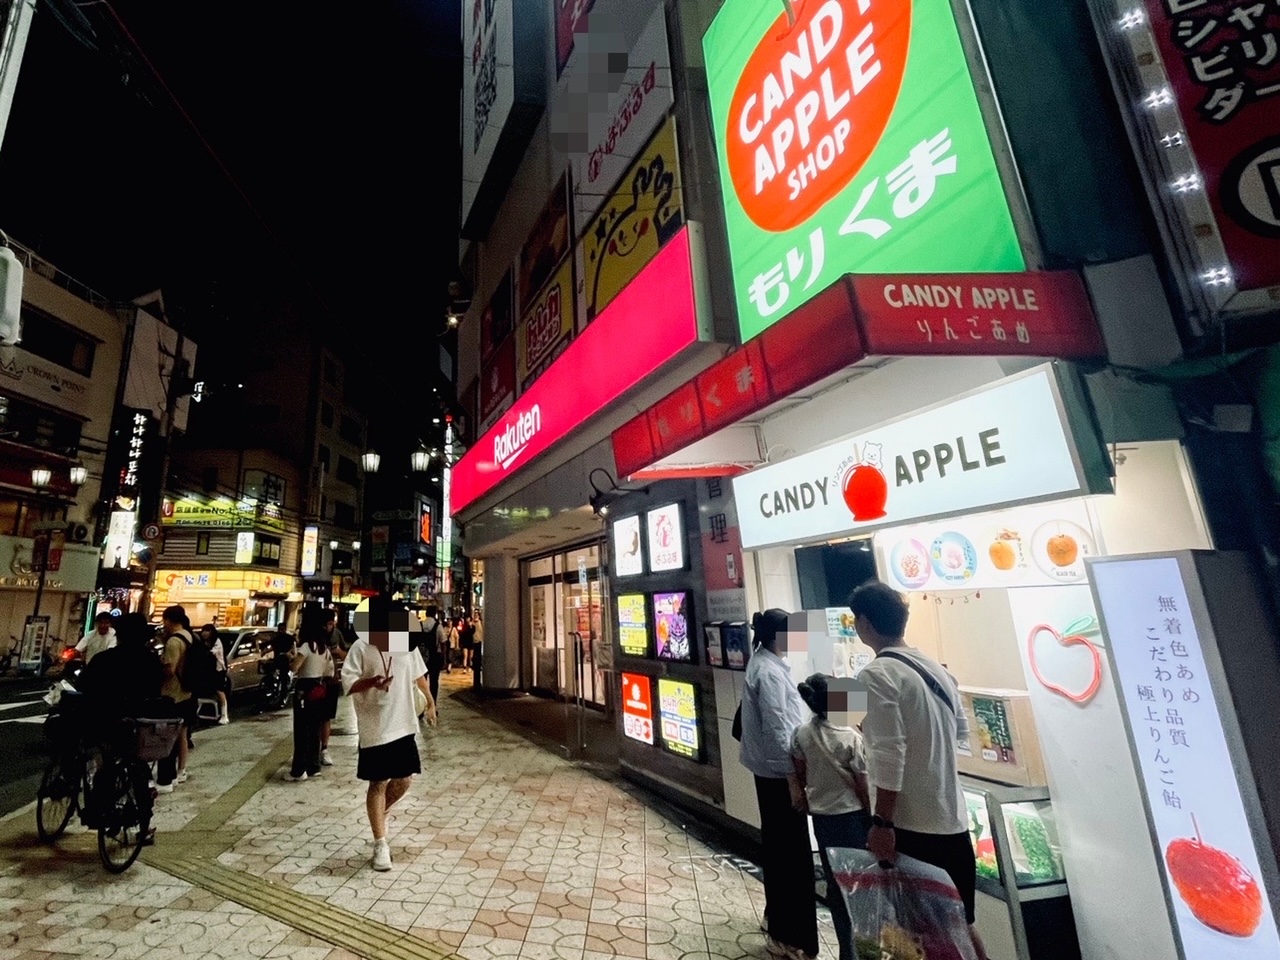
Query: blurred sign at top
{"type": "Point", "coordinates": [851, 141]}
{"type": "Point", "coordinates": [571, 19]}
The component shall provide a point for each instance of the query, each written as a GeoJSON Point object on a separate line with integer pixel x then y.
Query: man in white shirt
{"type": "Point", "coordinates": [380, 673]}
{"type": "Point", "coordinates": [914, 722]}
{"type": "Point", "coordinates": [101, 637]}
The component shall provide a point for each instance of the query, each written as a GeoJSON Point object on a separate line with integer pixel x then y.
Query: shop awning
{"type": "Point", "coordinates": [861, 321]}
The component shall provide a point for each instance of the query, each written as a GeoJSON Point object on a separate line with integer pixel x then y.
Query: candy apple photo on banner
{"type": "Point", "coordinates": [851, 141]}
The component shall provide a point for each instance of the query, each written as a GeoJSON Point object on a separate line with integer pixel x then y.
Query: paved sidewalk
{"type": "Point", "coordinates": [501, 849]}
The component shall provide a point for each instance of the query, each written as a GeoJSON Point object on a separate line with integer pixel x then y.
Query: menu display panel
{"type": "Point", "coordinates": [666, 538]}
{"type": "Point", "coordinates": [637, 707]}
{"type": "Point", "coordinates": [671, 626]}
{"type": "Point", "coordinates": [628, 558]}
{"type": "Point", "coordinates": [633, 624]}
{"type": "Point", "coordinates": [678, 711]}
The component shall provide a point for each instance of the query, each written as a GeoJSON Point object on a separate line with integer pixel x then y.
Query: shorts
{"type": "Point", "coordinates": [951, 853]}
{"type": "Point", "coordinates": [390, 761]}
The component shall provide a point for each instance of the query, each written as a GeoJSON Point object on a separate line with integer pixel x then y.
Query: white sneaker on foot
{"type": "Point", "coordinates": [223, 720]}
{"type": "Point", "coordinates": [164, 788]}
{"type": "Point", "coordinates": [325, 759]}
{"type": "Point", "coordinates": [181, 777]}
{"type": "Point", "coordinates": [381, 855]}
{"type": "Point", "coordinates": [298, 779]}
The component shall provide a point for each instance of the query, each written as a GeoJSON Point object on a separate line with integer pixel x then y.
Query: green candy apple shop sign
{"type": "Point", "coordinates": [850, 142]}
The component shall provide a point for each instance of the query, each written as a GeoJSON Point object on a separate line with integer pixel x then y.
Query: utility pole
{"type": "Point", "coordinates": [15, 22]}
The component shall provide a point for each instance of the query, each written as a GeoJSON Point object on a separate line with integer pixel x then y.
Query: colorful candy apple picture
{"type": "Point", "coordinates": [864, 486]}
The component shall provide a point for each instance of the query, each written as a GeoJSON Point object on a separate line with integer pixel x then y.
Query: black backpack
{"type": "Point", "coordinates": [199, 669]}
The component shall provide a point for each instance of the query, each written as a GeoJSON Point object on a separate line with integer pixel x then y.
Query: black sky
{"type": "Point", "coordinates": [337, 121]}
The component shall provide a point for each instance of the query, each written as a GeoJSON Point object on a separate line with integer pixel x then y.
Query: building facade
{"type": "Point", "coordinates": [727, 354]}
{"type": "Point", "coordinates": [58, 392]}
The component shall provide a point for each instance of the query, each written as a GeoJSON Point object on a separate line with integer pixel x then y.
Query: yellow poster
{"type": "Point", "coordinates": [644, 212]}
{"type": "Point", "coordinates": [547, 326]}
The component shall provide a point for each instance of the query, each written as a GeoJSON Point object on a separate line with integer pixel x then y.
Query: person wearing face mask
{"type": "Point", "coordinates": [772, 711]}
{"type": "Point", "coordinates": [830, 784]}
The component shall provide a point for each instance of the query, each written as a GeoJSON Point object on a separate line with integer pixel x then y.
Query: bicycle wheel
{"type": "Point", "coordinates": [56, 798]}
{"type": "Point", "coordinates": [121, 829]}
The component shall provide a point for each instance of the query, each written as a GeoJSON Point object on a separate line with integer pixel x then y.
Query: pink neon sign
{"type": "Point", "coordinates": [646, 325]}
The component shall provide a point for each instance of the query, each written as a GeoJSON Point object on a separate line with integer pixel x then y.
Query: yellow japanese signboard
{"type": "Point", "coordinates": [547, 326]}
{"type": "Point", "coordinates": [221, 513]}
{"type": "Point", "coordinates": [644, 212]}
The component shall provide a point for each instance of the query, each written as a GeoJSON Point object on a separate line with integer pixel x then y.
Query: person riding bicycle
{"type": "Point", "coordinates": [120, 683]}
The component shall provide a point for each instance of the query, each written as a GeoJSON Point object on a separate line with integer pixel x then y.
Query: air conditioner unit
{"type": "Point", "coordinates": [78, 533]}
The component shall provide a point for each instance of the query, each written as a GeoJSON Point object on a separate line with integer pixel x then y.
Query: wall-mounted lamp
{"type": "Point", "coordinates": [333, 544]}
{"type": "Point", "coordinates": [371, 461]}
{"type": "Point", "coordinates": [420, 460]}
{"type": "Point", "coordinates": [41, 477]}
{"type": "Point", "coordinates": [355, 544]}
{"type": "Point", "coordinates": [79, 474]}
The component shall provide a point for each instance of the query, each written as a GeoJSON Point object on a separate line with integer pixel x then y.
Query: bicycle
{"type": "Point", "coordinates": [115, 797]}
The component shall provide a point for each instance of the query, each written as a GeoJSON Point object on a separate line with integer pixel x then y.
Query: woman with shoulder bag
{"type": "Point", "coordinates": [312, 665]}
{"type": "Point", "coordinates": [830, 784]}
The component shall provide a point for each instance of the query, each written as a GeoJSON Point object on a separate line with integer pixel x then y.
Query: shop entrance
{"type": "Point", "coordinates": [566, 630]}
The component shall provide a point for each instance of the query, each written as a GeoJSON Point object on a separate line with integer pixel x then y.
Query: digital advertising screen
{"type": "Point", "coordinates": [633, 624]}
{"type": "Point", "coordinates": [678, 711]}
{"type": "Point", "coordinates": [666, 538]}
{"type": "Point", "coordinates": [736, 638]}
{"type": "Point", "coordinates": [637, 707]}
{"type": "Point", "coordinates": [671, 624]}
{"type": "Point", "coordinates": [628, 558]}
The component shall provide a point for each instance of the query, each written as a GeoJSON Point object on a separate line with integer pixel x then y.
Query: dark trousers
{"type": "Point", "coordinates": [790, 901]}
{"type": "Point", "coordinates": [433, 680]}
{"type": "Point", "coordinates": [840, 830]}
{"type": "Point", "coordinates": [167, 768]}
{"type": "Point", "coordinates": [308, 718]}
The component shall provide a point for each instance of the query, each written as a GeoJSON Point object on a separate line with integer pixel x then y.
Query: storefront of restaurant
{"type": "Point", "coordinates": [230, 598]}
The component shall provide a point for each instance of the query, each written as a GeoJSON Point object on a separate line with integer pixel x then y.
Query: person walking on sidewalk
{"type": "Point", "coordinates": [771, 713]}
{"type": "Point", "coordinates": [312, 665]}
{"type": "Point", "coordinates": [177, 633]}
{"type": "Point", "coordinates": [380, 674]}
{"type": "Point", "coordinates": [436, 646]}
{"type": "Point", "coordinates": [333, 686]}
{"type": "Point", "coordinates": [222, 682]}
{"type": "Point", "coordinates": [830, 784]}
{"type": "Point", "coordinates": [915, 720]}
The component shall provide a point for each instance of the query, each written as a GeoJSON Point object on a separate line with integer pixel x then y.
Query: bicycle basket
{"type": "Point", "coordinates": [153, 739]}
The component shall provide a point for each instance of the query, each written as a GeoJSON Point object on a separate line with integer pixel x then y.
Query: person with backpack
{"type": "Point", "coordinates": [436, 645]}
{"type": "Point", "coordinates": [177, 643]}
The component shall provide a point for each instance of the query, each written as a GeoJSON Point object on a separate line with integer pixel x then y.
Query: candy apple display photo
{"type": "Point", "coordinates": [671, 625]}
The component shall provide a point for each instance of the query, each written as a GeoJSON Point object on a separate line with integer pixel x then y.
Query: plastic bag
{"type": "Point", "coordinates": [908, 912]}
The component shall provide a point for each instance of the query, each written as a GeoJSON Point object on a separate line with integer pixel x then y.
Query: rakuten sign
{"type": "Point", "coordinates": [648, 324]}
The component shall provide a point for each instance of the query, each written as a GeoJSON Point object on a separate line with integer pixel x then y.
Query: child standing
{"type": "Point", "coordinates": [830, 784]}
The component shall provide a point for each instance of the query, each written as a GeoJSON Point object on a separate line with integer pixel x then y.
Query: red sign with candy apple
{"type": "Point", "coordinates": [805, 116]}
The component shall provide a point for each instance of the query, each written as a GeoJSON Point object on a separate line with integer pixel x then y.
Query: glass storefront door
{"type": "Point", "coordinates": [565, 627]}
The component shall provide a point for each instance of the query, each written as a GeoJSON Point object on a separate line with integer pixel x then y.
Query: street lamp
{"type": "Point", "coordinates": [41, 477]}
{"type": "Point", "coordinates": [355, 544]}
{"type": "Point", "coordinates": [79, 474]}
{"type": "Point", "coordinates": [371, 461]}
{"type": "Point", "coordinates": [333, 544]}
{"type": "Point", "coordinates": [420, 460]}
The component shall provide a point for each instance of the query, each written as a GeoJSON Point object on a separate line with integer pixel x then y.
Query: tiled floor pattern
{"type": "Point", "coordinates": [502, 850]}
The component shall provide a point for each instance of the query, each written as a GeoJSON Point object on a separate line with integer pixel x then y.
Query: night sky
{"type": "Point", "coordinates": [337, 123]}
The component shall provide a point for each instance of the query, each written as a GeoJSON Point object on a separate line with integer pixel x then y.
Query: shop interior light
{"type": "Point", "coordinates": [41, 477]}
{"type": "Point", "coordinates": [79, 474]}
{"type": "Point", "coordinates": [420, 460]}
{"type": "Point", "coordinates": [371, 461]}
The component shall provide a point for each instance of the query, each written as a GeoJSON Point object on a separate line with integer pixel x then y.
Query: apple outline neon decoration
{"type": "Point", "coordinates": [1070, 640]}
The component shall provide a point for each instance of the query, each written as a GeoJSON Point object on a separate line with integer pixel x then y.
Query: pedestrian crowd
{"type": "Point", "coordinates": [890, 786]}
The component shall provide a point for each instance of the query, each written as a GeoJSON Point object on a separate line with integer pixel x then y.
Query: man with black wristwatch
{"type": "Point", "coordinates": [914, 721]}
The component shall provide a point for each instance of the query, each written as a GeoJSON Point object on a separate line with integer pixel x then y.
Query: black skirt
{"type": "Point", "coordinates": [389, 761]}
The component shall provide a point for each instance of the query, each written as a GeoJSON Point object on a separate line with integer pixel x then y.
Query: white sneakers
{"type": "Point", "coordinates": [181, 777]}
{"type": "Point", "coordinates": [298, 779]}
{"type": "Point", "coordinates": [325, 759]}
{"type": "Point", "coordinates": [223, 720]}
{"type": "Point", "coordinates": [381, 855]}
{"type": "Point", "coordinates": [164, 788]}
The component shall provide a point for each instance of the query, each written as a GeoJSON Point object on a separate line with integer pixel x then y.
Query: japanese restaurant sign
{"type": "Point", "coordinates": [637, 707]}
{"type": "Point", "coordinates": [546, 245]}
{"type": "Point", "coordinates": [615, 136]}
{"type": "Point", "coordinates": [851, 139]}
{"type": "Point", "coordinates": [1000, 445]}
{"type": "Point", "coordinates": [1208, 857]}
{"type": "Point", "coordinates": [627, 343]}
{"type": "Point", "coordinates": [1036, 314]}
{"type": "Point", "coordinates": [571, 18]}
{"type": "Point", "coordinates": [643, 213]}
{"type": "Point", "coordinates": [497, 318]}
{"type": "Point", "coordinates": [498, 383]}
{"type": "Point", "coordinates": [547, 326]}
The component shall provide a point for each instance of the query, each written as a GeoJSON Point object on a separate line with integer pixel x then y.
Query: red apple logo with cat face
{"type": "Point", "coordinates": [864, 486]}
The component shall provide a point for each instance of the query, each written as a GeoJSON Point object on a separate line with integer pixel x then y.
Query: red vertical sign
{"type": "Point", "coordinates": [1222, 58]}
